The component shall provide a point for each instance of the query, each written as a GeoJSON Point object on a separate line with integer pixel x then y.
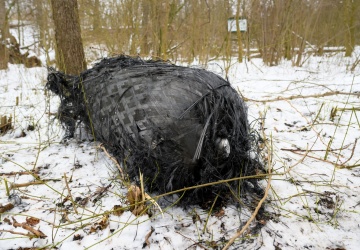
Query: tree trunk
{"type": "Point", "coordinates": [287, 44]}
{"type": "Point", "coordinates": [97, 16]}
{"type": "Point", "coordinates": [4, 34]}
{"type": "Point", "coordinates": [70, 56]}
{"type": "Point", "coordinates": [238, 32]}
{"type": "Point", "coordinates": [163, 33]}
{"type": "Point", "coordinates": [145, 48]}
{"type": "Point", "coordinates": [349, 26]}
{"type": "Point", "coordinates": [42, 21]}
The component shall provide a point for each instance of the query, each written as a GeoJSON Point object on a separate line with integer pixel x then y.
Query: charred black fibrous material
{"type": "Point", "coordinates": [178, 126]}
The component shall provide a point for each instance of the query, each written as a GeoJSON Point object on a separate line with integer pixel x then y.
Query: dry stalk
{"type": "Point", "coordinates": [13, 232]}
{"type": "Point", "coordinates": [314, 150]}
{"type": "Point", "coordinates": [195, 243]}
{"type": "Point", "coordinates": [352, 153]}
{"type": "Point", "coordinates": [231, 241]}
{"type": "Point", "coordinates": [69, 193]}
{"type": "Point", "coordinates": [21, 173]}
{"type": "Point", "coordinates": [258, 176]}
{"type": "Point", "coordinates": [145, 196]}
{"type": "Point", "coordinates": [281, 98]}
{"type": "Point", "coordinates": [147, 242]}
{"type": "Point", "coordinates": [113, 160]}
{"type": "Point", "coordinates": [245, 227]}
{"type": "Point", "coordinates": [99, 192]}
{"type": "Point", "coordinates": [18, 185]}
{"type": "Point", "coordinates": [340, 166]}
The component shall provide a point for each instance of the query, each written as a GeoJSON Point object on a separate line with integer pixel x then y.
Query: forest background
{"type": "Point", "coordinates": [188, 30]}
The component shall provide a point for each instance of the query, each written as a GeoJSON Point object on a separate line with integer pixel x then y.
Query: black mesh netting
{"type": "Point", "coordinates": [178, 126]}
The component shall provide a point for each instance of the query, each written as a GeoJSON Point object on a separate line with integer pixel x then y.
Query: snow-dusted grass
{"type": "Point", "coordinates": [314, 197]}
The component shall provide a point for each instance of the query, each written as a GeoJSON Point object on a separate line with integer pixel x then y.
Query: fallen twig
{"type": "Point", "coordinates": [33, 173]}
{"type": "Point", "coordinates": [314, 150]}
{"type": "Point", "coordinates": [36, 233]}
{"type": "Point", "coordinates": [147, 242]}
{"type": "Point", "coordinates": [145, 196]}
{"type": "Point", "coordinates": [231, 241]}
{"type": "Point", "coordinates": [99, 192]}
{"type": "Point", "coordinates": [26, 184]}
{"type": "Point", "coordinates": [269, 160]}
{"type": "Point", "coordinates": [340, 166]}
{"type": "Point", "coordinates": [281, 98]}
{"type": "Point", "coordinates": [114, 160]}
{"type": "Point", "coordinates": [69, 194]}
{"type": "Point", "coordinates": [352, 153]}
{"type": "Point", "coordinates": [5, 208]}
{"type": "Point", "coordinates": [195, 243]}
{"type": "Point", "coordinates": [13, 232]}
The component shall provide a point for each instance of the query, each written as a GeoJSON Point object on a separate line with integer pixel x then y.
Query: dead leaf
{"type": "Point", "coordinates": [101, 225]}
{"type": "Point", "coordinates": [7, 221]}
{"type": "Point", "coordinates": [117, 210]}
{"type": "Point", "coordinates": [134, 196]}
{"type": "Point", "coordinates": [83, 201]}
{"type": "Point", "coordinates": [77, 237]}
{"type": "Point", "coordinates": [32, 221]}
{"type": "Point", "coordinates": [219, 213]}
{"type": "Point", "coordinates": [100, 192]}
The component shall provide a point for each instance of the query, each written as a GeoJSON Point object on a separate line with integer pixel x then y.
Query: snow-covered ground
{"type": "Point", "coordinates": [311, 118]}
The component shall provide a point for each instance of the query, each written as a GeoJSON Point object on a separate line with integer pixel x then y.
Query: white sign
{"type": "Point", "coordinates": [232, 25]}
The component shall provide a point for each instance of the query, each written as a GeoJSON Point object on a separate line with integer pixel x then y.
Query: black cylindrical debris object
{"type": "Point", "coordinates": [178, 126]}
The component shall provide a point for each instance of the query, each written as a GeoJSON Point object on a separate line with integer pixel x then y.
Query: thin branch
{"type": "Point", "coordinates": [281, 98]}
{"type": "Point", "coordinates": [147, 242]}
{"type": "Point", "coordinates": [340, 166]}
{"type": "Point", "coordinates": [114, 160]}
{"type": "Point", "coordinates": [13, 232]}
{"type": "Point", "coordinates": [231, 241]}
{"type": "Point", "coordinates": [145, 195]}
{"type": "Point", "coordinates": [5, 208]}
{"type": "Point", "coordinates": [69, 193]}
{"type": "Point", "coordinates": [18, 185]}
{"type": "Point", "coordinates": [33, 173]}
{"type": "Point", "coordinates": [195, 243]}
{"type": "Point", "coordinates": [37, 233]}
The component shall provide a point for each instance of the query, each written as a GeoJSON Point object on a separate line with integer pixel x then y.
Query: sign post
{"type": "Point", "coordinates": [232, 24]}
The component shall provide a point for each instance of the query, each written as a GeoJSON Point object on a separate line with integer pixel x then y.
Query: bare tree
{"type": "Point", "coordinates": [145, 7]}
{"type": "Point", "coordinates": [96, 16]}
{"type": "Point", "coordinates": [350, 12]}
{"type": "Point", "coordinates": [4, 34]}
{"type": "Point", "coordinates": [70, 55]}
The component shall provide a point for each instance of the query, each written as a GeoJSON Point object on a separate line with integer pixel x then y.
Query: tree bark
{"type": "Point", "coordinates": [238, 32]}
{"type": "Point", "coordinates": [97, 16]}
{"type": "Point", "coordinates": [163, 32]}
{"type": "Point", "coordinates": [4, 34]}
{"type": "Point", "coordinates": [145, 6]}
{"type": "Point", "coordinates": [350, 26]}
{"type": "Point", "coordinates": [70, 55]}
